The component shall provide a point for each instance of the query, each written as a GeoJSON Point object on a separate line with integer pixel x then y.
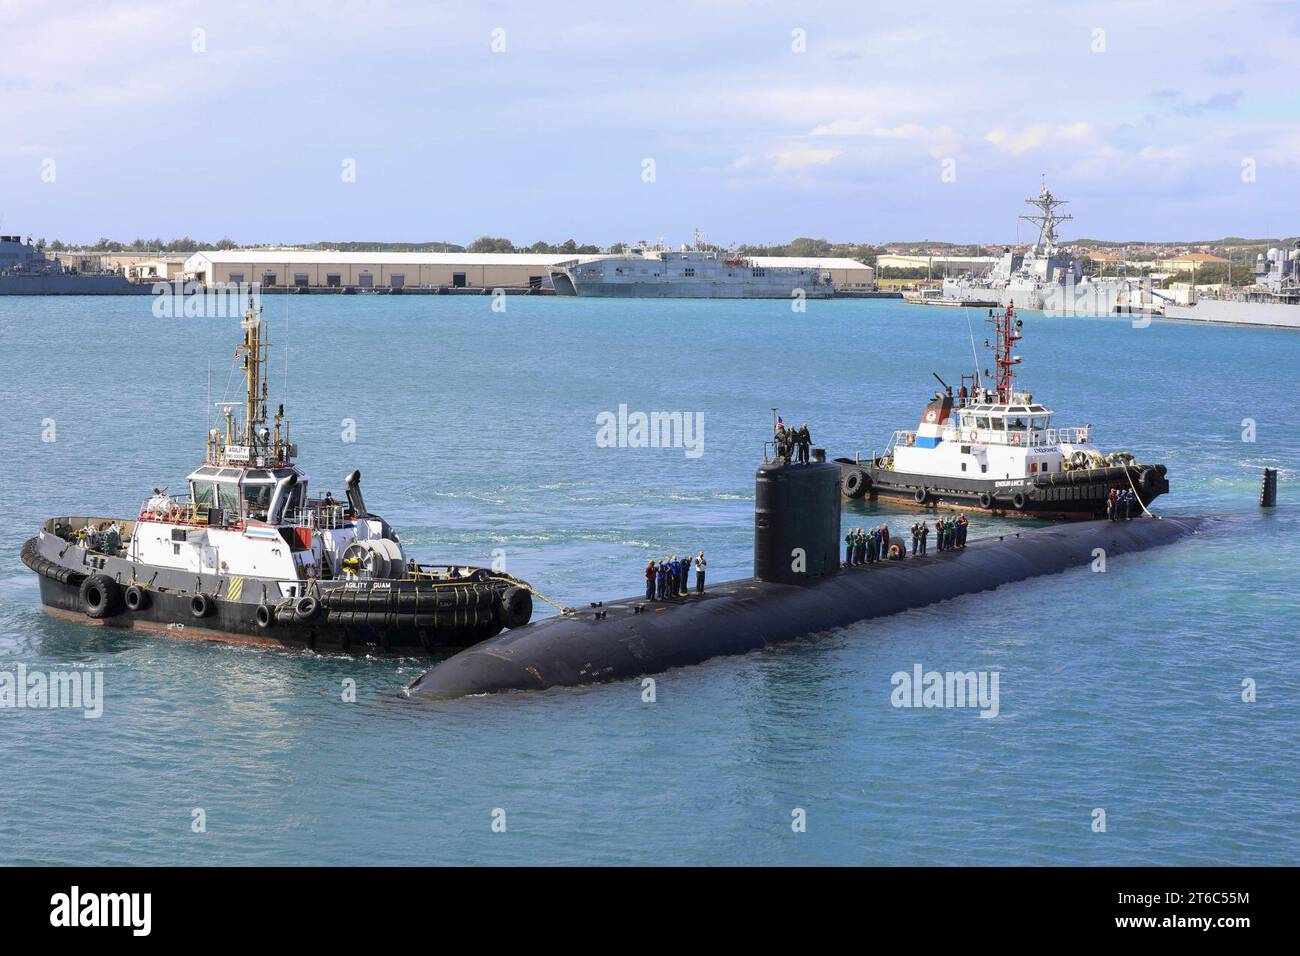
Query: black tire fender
{"type": "Point", "coordinates": [264, 615]}
{"type": "Point", "coordinates": [201, 605]}
{"type": "Point", "coordinates": [100, 596]}
{"type": "Point", "coordinates": [986, 500]}
{"type": "Point", "coordinates": [306, 608]}
{"type": "Point", "coordinates": [853, 484]}
{"type": "Point", "coordinates": [922, 495]}
{"type": "Point", "coordinates": [1019, 500]}
{"type": "Point", "coordinates": [136, 598]}
{"type": "Point", "coordinates": [516, 607]}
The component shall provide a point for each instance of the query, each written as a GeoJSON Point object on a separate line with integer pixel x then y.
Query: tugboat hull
{"type": "Point", "coordinates": [1073, 495]}
{"type": "Point", "coordinates": [363, 616]}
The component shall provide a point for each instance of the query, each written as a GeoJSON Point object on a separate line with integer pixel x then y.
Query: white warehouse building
{"type": "Point", "coordinates": [310, 268]}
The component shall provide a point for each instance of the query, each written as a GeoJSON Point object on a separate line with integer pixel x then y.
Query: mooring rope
{"type": "Point", "coordinates": [1135, 493]}
{"type": "Point", "coordinates": [532, 590]}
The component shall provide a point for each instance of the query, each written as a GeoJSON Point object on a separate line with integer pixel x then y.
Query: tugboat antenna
{"type": "Point", "coordinates": [974, 353]}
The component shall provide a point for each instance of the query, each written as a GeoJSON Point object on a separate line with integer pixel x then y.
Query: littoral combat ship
{"type": "Point", "coordinates": [996, 449]}
{"type": "Point", "coordinates": [694, 273]}
{"type": "Point", "coordinates": [250, 555]}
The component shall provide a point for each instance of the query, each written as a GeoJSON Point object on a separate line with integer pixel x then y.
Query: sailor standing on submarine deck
{"type": "Point", "coordinates": [700, 565]}
{"type": "Point", "coordinates": [650, 574]}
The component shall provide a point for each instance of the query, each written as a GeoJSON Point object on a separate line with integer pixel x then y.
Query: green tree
{"type": "Point", "coordinates": [491, 244]}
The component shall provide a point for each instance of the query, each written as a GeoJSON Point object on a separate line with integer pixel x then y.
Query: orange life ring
{"type": "Point", "coordinates": [1015, 438]}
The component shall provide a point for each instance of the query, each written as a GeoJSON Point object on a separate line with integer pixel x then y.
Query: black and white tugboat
{"type": "Point", "coordinates": [249, 555]}
{"type": "Point", "coordinates": [997, 450]}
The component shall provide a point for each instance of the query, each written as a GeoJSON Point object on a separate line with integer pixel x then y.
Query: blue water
{"type": "Point", "coordinates": [476, 431]}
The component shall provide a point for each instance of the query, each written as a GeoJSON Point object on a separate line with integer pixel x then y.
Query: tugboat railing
{"type": "Point", "coordinates": [1015, 437]}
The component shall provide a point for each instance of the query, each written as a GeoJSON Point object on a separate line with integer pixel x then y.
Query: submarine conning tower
{"type": "Point", "coordinates": [797, 520]}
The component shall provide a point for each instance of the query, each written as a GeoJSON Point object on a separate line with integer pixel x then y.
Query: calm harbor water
{"type": "Point", "coordinates": [475, 431]}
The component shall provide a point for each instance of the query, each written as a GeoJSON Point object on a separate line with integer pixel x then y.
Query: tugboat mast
{"type": "Point", "coordinates": [254, 358]}
{"type": "Point", "coordinates": [249, 443]}
{"type": "Point", "coordinates": [1007, 335]}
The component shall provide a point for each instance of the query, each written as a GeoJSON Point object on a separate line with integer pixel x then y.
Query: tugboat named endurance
{"type": "Point", "coordinates": [996, 449]}
{"type": "Point", "coordinates": [248, 555]}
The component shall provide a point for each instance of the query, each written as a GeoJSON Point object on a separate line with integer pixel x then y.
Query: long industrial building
{"type": "Point", "coordinates": [307, 268]}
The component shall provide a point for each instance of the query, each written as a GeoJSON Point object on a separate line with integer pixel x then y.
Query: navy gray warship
{"type": "Point", "coordinates": [692, 273]}
{"type": "Point", "coordinates": [1274, 299]}
{"type": "Point", "coordinates": [25, 269]}
{"type": "Point", "coordinates": [1045, 277]}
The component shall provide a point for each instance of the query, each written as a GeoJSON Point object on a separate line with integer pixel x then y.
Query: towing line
{"type": "Point", "coordinates": [532, 590]}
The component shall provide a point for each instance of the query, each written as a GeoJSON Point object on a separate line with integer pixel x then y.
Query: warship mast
{"type": "Point", "coordinates": [1047, 204]}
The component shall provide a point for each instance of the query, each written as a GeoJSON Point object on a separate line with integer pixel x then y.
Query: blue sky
{"type": "Point", "coordinates": [1142, 114]}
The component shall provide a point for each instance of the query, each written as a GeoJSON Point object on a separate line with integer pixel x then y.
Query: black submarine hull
{"type": "Point", "coordinates": [741, 616]}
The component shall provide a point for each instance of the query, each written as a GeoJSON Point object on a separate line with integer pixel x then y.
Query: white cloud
{"type": "Point", "coordinates": [1036, 135]}
{"type": "Point", "coordinates": [799, 156]}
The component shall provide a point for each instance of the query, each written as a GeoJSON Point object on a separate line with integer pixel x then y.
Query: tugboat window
{"type": "Point", "coordinates": [228, 497]}
{"type": "Point", "coordinates": [204, 496]}
{"type": "Point", "coordinates": [257, 498]}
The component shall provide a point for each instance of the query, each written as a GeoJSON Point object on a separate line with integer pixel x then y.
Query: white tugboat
{"type": "Point", "coordinates": [249, 555]}
{"type": "Point", "coordinates": [996, 449]}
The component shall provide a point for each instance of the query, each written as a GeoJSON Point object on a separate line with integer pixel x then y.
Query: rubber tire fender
{"type": "Point", "coordinates": [264, 616]}
{"type": "Point", "coordinates": [1019, 500]}
{"type": "Point", "coordinates": [853, 485]}
{"type": "Point", "coordinates": [516, 607]}
{"type": "Point", "coordinates": [986, 500]}
{"type": "Point", "coordinates": [136, 598]}
{"type": "Point", "coordinates": [922, 495]}
{"type": "Point", "coordinates": [201, 605]}
{"type": "Point", "coordinates": [100, 596]}
{"type": "Point", "coordinates": [306, 608]}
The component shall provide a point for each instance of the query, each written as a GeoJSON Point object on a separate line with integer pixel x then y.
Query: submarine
{"type": "Point", "coordinates": [799, 588]}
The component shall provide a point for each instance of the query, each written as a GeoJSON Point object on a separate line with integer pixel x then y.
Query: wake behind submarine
{"type": "Point", "coordinates": [799, 587]}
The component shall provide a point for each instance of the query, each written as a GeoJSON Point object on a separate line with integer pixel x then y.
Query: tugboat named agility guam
{"type": "Point", "coordinates": [996, 449]}
{"type": "Point", "coordinates": [249, 555]}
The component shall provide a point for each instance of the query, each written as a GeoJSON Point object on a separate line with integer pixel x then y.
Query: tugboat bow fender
{"type": "Point", "coordinates": [32, 557]}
